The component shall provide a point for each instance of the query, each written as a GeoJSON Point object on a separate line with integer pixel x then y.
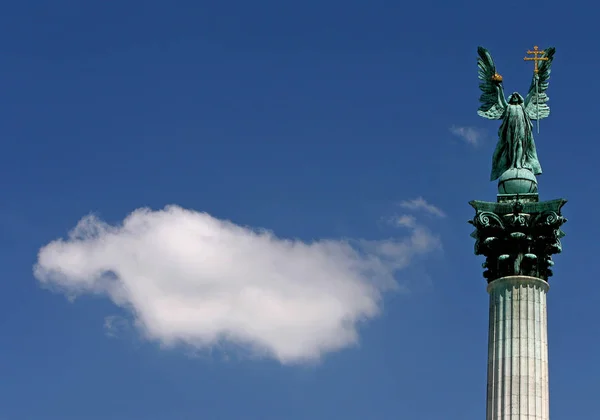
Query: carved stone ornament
{"type": "Point", "coordinates": [518, 237]}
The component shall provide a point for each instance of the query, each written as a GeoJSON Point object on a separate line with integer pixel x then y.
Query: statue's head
{"type": "Point", "coordinates": [515, 99]}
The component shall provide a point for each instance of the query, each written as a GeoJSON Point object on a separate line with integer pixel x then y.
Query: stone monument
{"type": "Point", "coordinates": [517, 234]}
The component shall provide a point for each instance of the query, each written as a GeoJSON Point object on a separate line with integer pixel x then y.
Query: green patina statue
{"type": "Point", "coordinates": [518, 234]}
{"type": "Point", "coordinates": [516, 148]}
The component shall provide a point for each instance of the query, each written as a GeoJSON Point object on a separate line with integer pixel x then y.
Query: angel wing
{"type": "Point", "coordinates": [535, 102]}
{"type": "Point", "coordinates": [492, 98]}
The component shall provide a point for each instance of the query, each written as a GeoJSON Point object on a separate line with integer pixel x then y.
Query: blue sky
{"type": "Point", "coordinates": [319, 156]}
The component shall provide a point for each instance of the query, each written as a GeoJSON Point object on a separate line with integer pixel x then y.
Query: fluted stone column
{"type": "Point", "coordinates": [518, 235]}
{"type": "Point", "coordinates": [517, 387]}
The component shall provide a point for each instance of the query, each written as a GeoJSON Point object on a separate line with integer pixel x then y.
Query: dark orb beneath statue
{"type": "Point", "coordinates": [517, 181]}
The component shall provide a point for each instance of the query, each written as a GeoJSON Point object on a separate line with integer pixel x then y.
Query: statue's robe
{"type": "Point", "coordinates": [515, 148]}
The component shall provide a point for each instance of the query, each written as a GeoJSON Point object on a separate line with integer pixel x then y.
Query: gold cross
{"type": "Point", "coordinates": [535, 57]}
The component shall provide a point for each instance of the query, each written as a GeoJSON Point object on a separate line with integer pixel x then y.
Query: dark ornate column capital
{"type": "Point", "coordinates": [518, 235]}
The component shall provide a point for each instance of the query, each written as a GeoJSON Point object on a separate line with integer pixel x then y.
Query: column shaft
{"type": "Point", "coordinates": [518, 350]}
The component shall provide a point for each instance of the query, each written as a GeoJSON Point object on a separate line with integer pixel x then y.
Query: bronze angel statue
{"type": "Point", "coordinates": [516, 147]}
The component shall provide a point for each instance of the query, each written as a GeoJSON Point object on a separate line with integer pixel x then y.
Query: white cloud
{"type": "Point", "coordinates": [405, 220]}
{"type": "Point", "coordinates": [190, 279]}
{"type": "Point", "coordinates": [469, 134]}
{"type": "Point", "coordinates": [419, 203]}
